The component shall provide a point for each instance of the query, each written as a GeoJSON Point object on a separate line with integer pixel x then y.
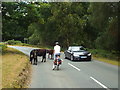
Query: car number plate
{"type": "Point", "coordinates": [83, 56]}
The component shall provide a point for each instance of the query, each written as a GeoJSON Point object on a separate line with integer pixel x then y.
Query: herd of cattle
{"type": "Point", "coordinates": [40, 52]}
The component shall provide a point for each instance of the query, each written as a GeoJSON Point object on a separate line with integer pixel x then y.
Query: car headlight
{"type": "Point", "coordinates": [89, 54]}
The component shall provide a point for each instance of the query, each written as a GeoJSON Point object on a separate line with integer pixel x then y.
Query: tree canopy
{"type": "Point", "coordinates": [93, 25]}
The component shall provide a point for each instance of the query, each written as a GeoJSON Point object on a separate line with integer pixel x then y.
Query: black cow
{"type": "Point", "coordinates": [33, 55]}
{"type": "Point", "coordinates": [37, 52]}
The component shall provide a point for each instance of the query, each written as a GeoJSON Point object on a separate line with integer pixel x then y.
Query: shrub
{"type": "Point", "coordinates": [13, 42]}
{"type": "Point", "coordinates": [2, 48]}
{"type": "Point", "coordinates": [104, 53]}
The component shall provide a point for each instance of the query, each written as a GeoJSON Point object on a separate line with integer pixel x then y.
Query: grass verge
{"type": "Point", "coordinates": [35, 46]}
{"type": "Point", "coordinates": [0, 71]}
{"type": "Point", "coordinates": [106, 60]}
{"type": "Point", "coordinates": [15, 69]}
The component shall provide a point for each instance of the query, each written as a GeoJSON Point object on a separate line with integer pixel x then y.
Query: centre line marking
{"type": "Point", "coordinates": [99, 83]}
{"type": "Point", "coordinates": [74, 66]}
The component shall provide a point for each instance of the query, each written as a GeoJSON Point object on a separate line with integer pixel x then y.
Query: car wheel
{"type": "Point", "coordinates": [65, 57]}
{"type": "Point", "coordinates": [90, 59]}
{"type": "Point", "coordinates": [71, 57]}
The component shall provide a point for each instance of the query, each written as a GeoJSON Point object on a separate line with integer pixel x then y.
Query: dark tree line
{"type": "Point", "coordinates": [93, 25]}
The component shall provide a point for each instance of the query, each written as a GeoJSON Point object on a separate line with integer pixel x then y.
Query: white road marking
{"type": "Point", "coordinates": [74, 66]}
{"type": "Point", "coordinates": [99, 83]}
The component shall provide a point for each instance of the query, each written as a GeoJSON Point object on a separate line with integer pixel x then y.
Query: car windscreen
{"type": "Point", "coordinates": [78, 49]}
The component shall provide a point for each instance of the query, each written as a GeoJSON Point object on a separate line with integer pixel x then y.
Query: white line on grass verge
{"type": "Point", "coordinates": [99, 83]}
{"type": "Point", "coordinates": [74, 66]}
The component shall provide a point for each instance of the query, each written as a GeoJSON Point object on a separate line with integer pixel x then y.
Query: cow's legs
{"type": "Point", "coordinates": [35, 61]}
{"type": "Point", "coordinates": [45, 59]}
{"type": "Point", "coordinates": [51, 56]}
{"type": "Point", "coordinates": [42, 60]}
{"type": "Point", "coordinates": [48, 55]}
{"type": "Point", "coordinates": [31, 60]}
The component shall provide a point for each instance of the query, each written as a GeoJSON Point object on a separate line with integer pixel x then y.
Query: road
{"type": "Point", "coordinates": [72, 74]}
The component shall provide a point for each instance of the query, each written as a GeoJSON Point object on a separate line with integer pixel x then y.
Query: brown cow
{"type": "Point", "coordinates": [42, 52]}
{"type": "Point", "coordinates": [50, 53]}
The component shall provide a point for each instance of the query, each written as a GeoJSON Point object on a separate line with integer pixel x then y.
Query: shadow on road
{"type": "Point", "coordinates": [80, 60]}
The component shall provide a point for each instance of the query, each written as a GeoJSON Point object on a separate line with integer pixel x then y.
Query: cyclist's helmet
{"type": "Point", "coordinates": [57, 43]}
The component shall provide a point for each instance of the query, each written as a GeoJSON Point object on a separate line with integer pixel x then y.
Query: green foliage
{"type": "Point", "coordinates": [105, 20]}
{"type": "Point", "coordinates": [13, 42]}
{"type": "Point", "coordinates": [91, 24]}
{"type": "Point", "coordinates": [104, 53]}
{"type": "Point", "coordinates": [2, 47]}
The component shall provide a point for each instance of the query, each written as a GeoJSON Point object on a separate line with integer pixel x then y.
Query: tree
{"type": "Point", "coordinates": [104, 19]}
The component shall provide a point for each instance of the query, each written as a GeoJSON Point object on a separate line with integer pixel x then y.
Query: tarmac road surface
{"type": "Point", "coordinates": [72, 74]}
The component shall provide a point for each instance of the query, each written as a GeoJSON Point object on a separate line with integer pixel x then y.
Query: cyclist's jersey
{"type": "Point", "coordinates": [57, 49]}
{"type": "Point", "coordinates": [59, 61]}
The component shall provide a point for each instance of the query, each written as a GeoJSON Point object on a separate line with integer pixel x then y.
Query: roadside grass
{"type": "Point", "coordinates": [0, 71]}
{"type": "Point", "coordinates": [15, 69]}
{"type": "Point", "coordinates": [105, 56]}
{"type": "Point", "coordinates": [35, 46]}
{"type": "Point", "coordinates": [2, 48]}
{"type": "Point", "coordinates": [106, 60]}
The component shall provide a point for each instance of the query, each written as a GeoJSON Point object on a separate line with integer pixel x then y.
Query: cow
{"type": "Point", "coordinates": [42, 52]}
{"type": "Point", "coordinates": [37, 52]}
{"type": "Point", "coordinates": [33, 55]}
{"type": "Point", "coordinates": [50, 53]}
